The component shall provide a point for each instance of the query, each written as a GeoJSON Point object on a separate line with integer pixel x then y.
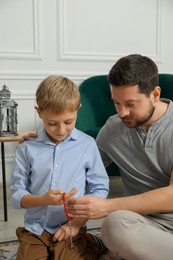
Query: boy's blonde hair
{"type": "Point", "coordinates": [57, 94]}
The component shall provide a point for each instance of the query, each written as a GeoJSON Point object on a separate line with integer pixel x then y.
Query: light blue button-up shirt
{"type": "Point", "coordinates": [41, 165]}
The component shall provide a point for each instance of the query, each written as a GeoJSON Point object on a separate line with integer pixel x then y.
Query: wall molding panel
{"type": "Point", "coordinates": [24, 95]}
{"type": "Point", "coordinates": [26, 54]}
{"type": "Point", "coordinates": [67, 42]}
{"type": "Point", "coordinates": [28, 75]}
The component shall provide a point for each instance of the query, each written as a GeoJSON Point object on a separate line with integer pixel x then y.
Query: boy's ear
{"type": "Point", "coordinates": [38, 111]}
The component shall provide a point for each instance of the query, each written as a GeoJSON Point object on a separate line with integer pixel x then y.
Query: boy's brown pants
{"type": "Point", "coordinates": [32, 247]}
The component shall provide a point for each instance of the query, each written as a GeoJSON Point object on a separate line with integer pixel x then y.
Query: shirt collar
{"type": "Point", "coordinates": [43, 137]}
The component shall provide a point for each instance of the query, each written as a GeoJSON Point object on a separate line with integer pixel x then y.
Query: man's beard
{"type": "Point", "coordinates": [133, 123]}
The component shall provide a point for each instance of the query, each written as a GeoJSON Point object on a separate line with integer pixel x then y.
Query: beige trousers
{"type": "Point", "coordinates": [136, 237]}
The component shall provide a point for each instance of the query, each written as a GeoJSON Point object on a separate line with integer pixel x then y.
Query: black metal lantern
{"type": "Point", "coordinates": [8, 113]}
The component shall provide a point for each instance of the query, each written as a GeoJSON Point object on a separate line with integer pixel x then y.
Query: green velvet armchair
{"type": "Point", "coordinates": [97, 106]}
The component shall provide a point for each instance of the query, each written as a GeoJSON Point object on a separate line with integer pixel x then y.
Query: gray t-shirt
{"type": "Point", "coordinates": [145, 159]}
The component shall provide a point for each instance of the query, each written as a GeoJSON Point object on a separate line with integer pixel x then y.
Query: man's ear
{"type": "Point", "coordinates": [38, 111]}
{"type": "Point", "coordinates": [156, 93]}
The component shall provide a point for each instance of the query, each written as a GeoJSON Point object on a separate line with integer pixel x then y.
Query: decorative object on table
{"type": "Point", "coordinates": [8, 113]}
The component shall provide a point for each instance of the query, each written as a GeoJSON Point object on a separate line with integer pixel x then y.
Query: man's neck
{"type": "Point", "coordinates": [160, 110]}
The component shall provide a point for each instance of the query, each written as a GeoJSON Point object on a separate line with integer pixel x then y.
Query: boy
{"type": "Point", "coordinates": [59, 159]}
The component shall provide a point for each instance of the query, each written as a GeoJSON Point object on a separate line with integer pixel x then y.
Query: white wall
{"type": "Point", "coordinates": [77, 39]}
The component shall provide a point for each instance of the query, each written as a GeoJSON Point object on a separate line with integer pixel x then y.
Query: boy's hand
{"type": "Point", "coordinates": [54, 197]}
{"type": "Point", "coordinates": [64, 232]}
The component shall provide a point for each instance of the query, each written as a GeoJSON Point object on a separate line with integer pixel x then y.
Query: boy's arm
{"type": "Point", "coordinates": [97, 178]}
{"type": "Point", "coordinates": [64, 231]}
{"type": "Point", "coordinates": [71, 228]}
{"type": "Point", "coordinates": [52, 197]}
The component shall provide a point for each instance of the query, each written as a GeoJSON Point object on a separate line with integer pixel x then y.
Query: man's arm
{"type": "Point", "coordinates": [29, 135]}
{"type": "Point", "coordinates": [154, 201]}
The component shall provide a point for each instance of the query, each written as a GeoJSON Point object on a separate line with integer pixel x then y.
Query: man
{"type": "Point", "coordinates": [139, 139]}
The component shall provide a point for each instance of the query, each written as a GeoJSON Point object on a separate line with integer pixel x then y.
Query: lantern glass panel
{"type": "Point", "coordinates": [8, 113]}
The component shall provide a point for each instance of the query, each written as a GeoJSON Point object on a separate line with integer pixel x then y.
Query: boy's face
{"type": "Point", "coordinates": [58, 126]}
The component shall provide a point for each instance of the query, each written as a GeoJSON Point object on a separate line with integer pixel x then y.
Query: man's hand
{"type": "Point", "coordinates": [88, 207]}
{"type": "Point", "coordinates": [25, 137]}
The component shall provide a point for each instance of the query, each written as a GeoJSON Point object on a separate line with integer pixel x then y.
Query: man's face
{"type": "Point", "coordinates": [58, 126]}
{"type": "Point", "coordinates": [134, 108]}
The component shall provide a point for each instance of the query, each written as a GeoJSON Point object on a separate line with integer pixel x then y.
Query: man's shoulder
{"type": "Point", "coordinates": [115, 119]}
{"type": "Point", "coordinates": [114, 123]}
{"type": "Point", "coordinates": [113, 128]}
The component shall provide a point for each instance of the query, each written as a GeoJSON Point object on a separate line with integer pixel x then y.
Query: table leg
{"type": "Point", "coordinates": [4, 181]}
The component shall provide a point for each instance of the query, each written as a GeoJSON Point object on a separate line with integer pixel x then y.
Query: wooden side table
{"type": "Point", "coordinates": [2, 141]}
